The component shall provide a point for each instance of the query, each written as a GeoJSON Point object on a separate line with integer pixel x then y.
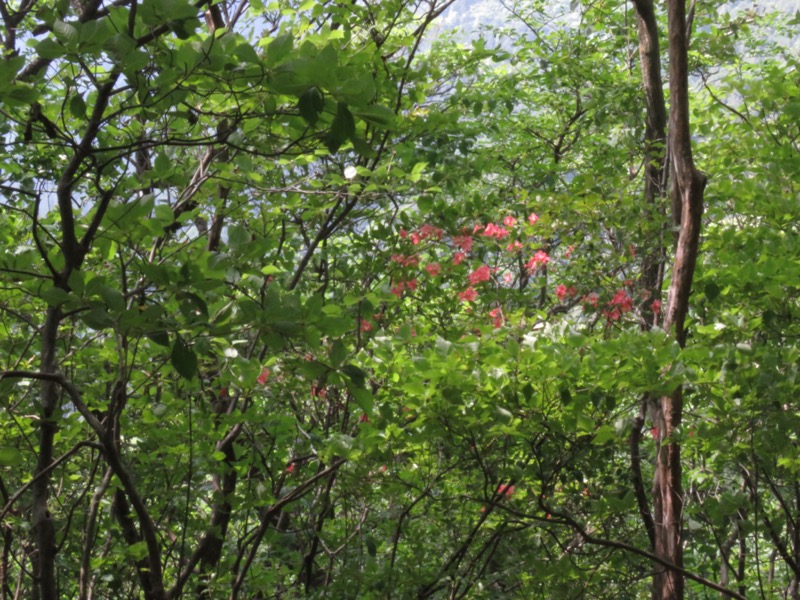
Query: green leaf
{"type": "Point", "coordinates": [159, 337]}
{"type": "Point", "coordinates": [77, 106]}
{"type": "Point", "coordinates": [279, 48]}
{"type": "Point", "coordinates": [711, 291]}
{"type": "Point", "coordinates": [604, 434]}
{"type": "Point", "coordinates": [183, 359]}
{"type": "Point", "coordinates": [357, 376]}
{"type": "Point", "coordinates": [310, 105]}
{"type": "Point", "coordinates": [377, 115]}
{"type": "Point", "coordinates": [342, 128]}
{"type": "Point", "coordinates": [10, 457]}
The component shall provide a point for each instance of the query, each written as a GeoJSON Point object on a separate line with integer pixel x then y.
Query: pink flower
{"type": "Point", "coordinates": [433, 269]}
{"type": "Point", "coordinates": [495, 231]}
{"type": "Point", "coordinates": [464, 242]}
{"type": "Point", "coordinates": [654, 432]}
{"type": "Point", "coordinates": [411, 284]}
{"type": "Point", "coordinates": [318, 391]}
{"type": "Point", "coordinates": [591, 299]}
{"type": "Point", "coordinates": [509, 221]}
{"type": "Point", "coordinates": [506, 489]}
{"type": "Point", "coordinates": [468, 295]}
{"type": "Point", "coordinates": [539, 259]}
{"type": "Point", "coordinates": [459, 257]}
{"type": "Point", "coordinates": [290, 468]}
{"type": "Point", "coordinates": [365, 326]}
{"type": "Point", "coordinates": [532, 218]}
{"type": "Point", "coordinates": [563, 292]}
{"type": "Point", "coordinates": [416, 238]}
{"type": "Point", "coordinates": [656, 307]}
{"type": "Point", "coordinates": [497, 317]}
{"type": "Point", "coordinates": [397, 289]}
{"type": "Point", "coordinates": [405, 261]}
{"type": "Point", "coordinates": [262, 378]}
{"type": "Point", "coordinates": [514, 246]}
{"type": "Point", "coordinates": [482, 273]}
{"type": "Point", "coordinates": [508, 277]}
{"type": "Point", "coordinates": [427, 231]}
{"type": "Point", "coordinates": [403, 233]}
{"type": "Point", "coordinates": [622, 300]}
{"type": "Point", "coordinates": [569, 251]}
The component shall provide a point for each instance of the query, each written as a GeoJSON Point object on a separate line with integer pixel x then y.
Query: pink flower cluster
{"type": "Point", "coordinates": [405, 261]}
{"type": "Point", "coordinates": [464, 242]}
{"type": "Point", "coordinates": [397, 288]}
{"type": "Point", "coordinates": [425, 232]}
{"type": "Point", "coordinates": [468, 295]}
{"type": "Point", "coordinates": [620, 303]}
{"type": "Point", "coordinates": [480, 274]}
{"type": "Point", "coordinates": [563, 292]}
{"type": "Point", "coordinates": [433, 269]}
{"type": "Point", "coordinates": [495, 231]}
{"type": "Point", "coordinates": [539, 259]}
{"type": "Point", "coordinates": [506, 489]}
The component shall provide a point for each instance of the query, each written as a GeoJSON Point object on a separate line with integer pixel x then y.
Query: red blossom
{"type": "Point", "coordinates": [318, 391]}
{"type": "Point", "coordinates": [563, 292]}
{"type": "Point", "coordinates": [509, 221]}
{"type": "Point", "coordinates": [622, 301]}
{"type": "Point", "coordinates": [506, 489]}
{"type": "Point", "coordinates": [532, 218]}
{"type": "Point", "coordinates": [428, 231]}
{"type": "Point", "coordinates": [569, 251]}
{"type": "Point", "coordinates": [433, 269]}
{"type": "Point", "coordinates": [591, 299]}
{"type": "Point", "coordinates": [403, 233]}
{"type": "Point", "coordinates": [464, 242]}
{"type": "Point", "coordinates": [459, 257]}
{"type": "Point", "coordinates": [405, 261]}
{"type": "Point", "coordinates": [480, 274]}
{"type": "Point", "coordinates": [290, 468]}
{"type": "Point", "coordinates": [508, 277]}
{"type": "Point", "coordinates": [397, 289]}
{"type": "Point", "coordinates": [656, 307]}
{"type": "Point", "coordinates": [365, 326]}
{"type": "Point", "coordinates": [497, 317]}
{"type": "Point", "coordinates": [411, 284]}
{"type": "Point", "coordinates": [539, 259]}
{"type": "Point", "coordinates": [263, 376]}
{"type": "Point", "coordinates": [654, 432]}
{"type": "Point", "coordinates": [495, 231]}
{"type": "Point", "coordinates": [468, 295]}
{"type": "Point", "coordinates": [514, 246]}
{"type": "Point", "coordinates": [416, 238]}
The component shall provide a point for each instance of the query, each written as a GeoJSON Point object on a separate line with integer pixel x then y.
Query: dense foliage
{"type": "Point", "coordinates": [305, 299]}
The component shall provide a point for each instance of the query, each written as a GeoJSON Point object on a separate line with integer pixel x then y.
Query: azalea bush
{"type": "Point", "coordinates": [298, 301]}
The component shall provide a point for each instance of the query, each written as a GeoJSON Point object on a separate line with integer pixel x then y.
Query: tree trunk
{"type": "Point", "coordinates": [688, 187]}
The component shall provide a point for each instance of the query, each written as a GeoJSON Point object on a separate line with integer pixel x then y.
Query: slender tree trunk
{"type": "Point", "coordinates": [654, 211]}
{"type": "Point", "coordinates": [44, 576]}
{"type": "Point", "coordinates": [688, 187]}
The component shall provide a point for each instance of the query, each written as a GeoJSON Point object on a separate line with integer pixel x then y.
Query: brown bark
{"type": "Point", "coordinates": [687, 200]}
{"type": "Point", "coordinates": [655, 184]}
